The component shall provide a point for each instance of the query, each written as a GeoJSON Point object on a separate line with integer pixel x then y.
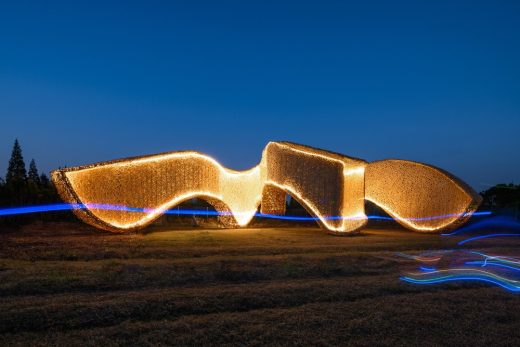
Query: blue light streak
{"type": "Point", "coordinates": [66, 207]}
{"type": "Point", "coordinates": [491, 263]}
{"type": "Point", "coordinates": [500, 258]}
{"type": "Point", "coordinates": [508, 227]}
{"type": "Point", "coordinates": [502, 222]}
{"type": "Point", "coordinates": [471, 271]}
{"type": "Point", "coordinates": [37, 209]}
{"type": "Point", "coordinates": [471, 239]}
{"type": "Point", "coordinates": [427, 269]}
{"type": "Point", "coordinates": [482, 278]}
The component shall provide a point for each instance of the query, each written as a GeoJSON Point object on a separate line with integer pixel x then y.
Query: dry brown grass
{"type": "Point", "coordinates": [71, 285]}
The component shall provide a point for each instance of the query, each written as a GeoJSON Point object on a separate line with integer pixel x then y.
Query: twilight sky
{"type": "Point", "coordinates": [432, 81]}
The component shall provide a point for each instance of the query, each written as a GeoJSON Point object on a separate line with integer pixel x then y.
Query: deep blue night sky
{"type": "Point", "coordinates": [436, 81]}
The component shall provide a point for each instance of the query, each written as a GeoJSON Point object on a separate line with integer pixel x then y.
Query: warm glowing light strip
{"type": "Point", "coordinates": [314, 211]}
{"type": "Point", "coordinates": [409, 191]}
{"type": "Point", "coordinates": [331, 186]}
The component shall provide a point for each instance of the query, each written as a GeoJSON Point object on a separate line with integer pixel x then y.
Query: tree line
{"type": "Point", "coordinates": [502, 199]}
{"type": "Point", "coordinates": [22, 187]}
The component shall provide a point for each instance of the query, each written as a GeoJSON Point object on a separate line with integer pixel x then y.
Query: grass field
{"type": "Point", "coordinates": [71, 285]}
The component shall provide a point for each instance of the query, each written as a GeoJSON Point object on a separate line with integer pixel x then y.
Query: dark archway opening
{"type": "Point", "coordinates": [191, 213]}
{"type": "Point", "coordinates": [378, 218]}
{"type": "Point", "coordinates": [295, 216]}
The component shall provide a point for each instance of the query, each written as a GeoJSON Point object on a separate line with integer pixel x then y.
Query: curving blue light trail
{"type": "Point", "coordinates": [502, 222]}
{"type": "Point", "coordinates": [508, 228]}
{"type": "Point", "coordinates": [491, 263]}
{"type": "Point", "coordinates": [499, 258]}
{"type": "Point", "coordinates": [35, 209]}
{"type": "Point", "coordinates": [427, 269]}
{"type": "Point", "coordinates": [450, 278]}
{"type": "Point", "coordinates": [65, 207]}
{"type": "Point", "coordinates": [488, 236]}
{"type": "Point", "coordinates": [472, 271]}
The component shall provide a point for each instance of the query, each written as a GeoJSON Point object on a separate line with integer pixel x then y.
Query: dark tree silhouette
{"type": "Point", "coordinates": [16, 175]}
{"type": "Point", "coordinates": [3, 192]}
{"type": "Point", "coordinates": [35, 192]}
{"type": "Point", "coordinates": [503, 199]}
{"type": "Point", "coordinates": [32, 175]}
{"type": "Point", "coordinates": [27, 188]}
{"type": "Point", "coordinates": [44, 180]}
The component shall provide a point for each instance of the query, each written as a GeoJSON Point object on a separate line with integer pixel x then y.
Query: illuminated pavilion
{"type": "Point", "coordinates": [332, 187]}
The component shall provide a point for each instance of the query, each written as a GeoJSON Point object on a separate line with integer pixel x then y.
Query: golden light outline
{"type": "Point", "coordinates": [410, 192]}
{"type": "Point", "coordinates": [327, 184]}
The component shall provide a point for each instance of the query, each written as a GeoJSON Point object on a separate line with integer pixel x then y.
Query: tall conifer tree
{"type": "Point", "coordinates": [16, 174]}
{"type": "Point", "coordinates": [32, 175]}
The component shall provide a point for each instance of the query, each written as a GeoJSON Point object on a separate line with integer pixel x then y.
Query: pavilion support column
{"type": "Point", "coordinates": [273, 200]}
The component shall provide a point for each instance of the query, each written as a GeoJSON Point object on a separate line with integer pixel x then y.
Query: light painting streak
{"type": "Point", "coordinates": [500, 270]}
{"type": "Point", "coordinates": [466, 275]}
{"type": "Point", "coordinates": [491, 263]}
{"type": "Point", "coordinates": [426, 269]}
{"type": "Point", "coordinates": [500, 258]}
{"type": "Point", "coordinates": [69, 207]}
{"type": "Point", "coordinates": [462, 274]}
{"type": "Point", "coordinates": [495, 222]}
{"type": "Point", "coordinates": [488, 236]}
